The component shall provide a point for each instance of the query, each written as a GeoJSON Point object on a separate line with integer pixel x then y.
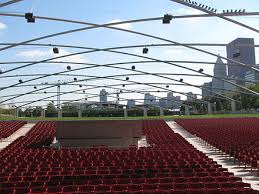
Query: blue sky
{"type": "Point", "coordinates": [203, 30]}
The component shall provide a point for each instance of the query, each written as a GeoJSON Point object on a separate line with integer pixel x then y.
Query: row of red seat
{"type": "Point", "coordinates": [7, 128]}
{"type": "Point", "coordinates": [170, 165]}
{"type": "Point", "coordinates": [237, 137]}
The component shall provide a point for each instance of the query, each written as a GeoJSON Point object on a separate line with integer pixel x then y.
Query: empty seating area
{"type": "Point", "coordinates": [7, 128]}
{"type": "Point", "coordinates": [170, 165]}
{"type": "Point", "coordinates": [237, 137]}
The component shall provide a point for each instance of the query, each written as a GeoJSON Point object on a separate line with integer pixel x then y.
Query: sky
{"type": "Point", "coordinates": [191, 30]}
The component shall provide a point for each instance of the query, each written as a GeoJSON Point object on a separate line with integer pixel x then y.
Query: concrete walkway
{"type": "Point", "coordinates": [214, 153]}
{"type": "Point", "coordinates": [20, 132]}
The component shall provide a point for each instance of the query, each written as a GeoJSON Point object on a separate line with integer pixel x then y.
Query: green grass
{"type": "Point", "coordinates": [122, 118]}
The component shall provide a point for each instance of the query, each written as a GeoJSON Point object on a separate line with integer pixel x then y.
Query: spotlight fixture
{"type": "Point", "coordinates": [145, 50]}
{"type": "Point", "coordinates": [29, 17]}
{"type": "Point", "coordinates": [133, 67]}
{"type": "Point", "coordinates": [127, 78]}
{"type": "Point", "coordinates": [55, 50]}
{"type": "Point", "coordinates": [52, 102]}
{"type": "Point", "coordinates": [45, 92]}
{"type": "Point", "coordinates": [167, 86]}
{"type": "Point", "coordinates": [200, 70]}
{"type": "Point", "coordinates": [83, 91]}
{"type": "Point", "coordinates": [20, 81]}
{"type": "Point", "coordinates": [123, 85]}
{"type": "Point", "coordinates": [75, 79]}
{"type": "Point", "coordinates": [80, 86]}
{"type": "Point", "coordinates": [167, 18]}
{"type": "Point", "coordinates": [68, 67]}
{"type": "Point", "coordinates": [35, 87]}
{"type": "Point", "coordinates": [181, 80]}
{"type": "Point", "coordinates": [85, 98]}
{"type": "Point", "coordinates": [158, 91]}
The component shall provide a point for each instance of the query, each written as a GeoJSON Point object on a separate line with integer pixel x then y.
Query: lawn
{"type": "Point", "coordinates": [122, 118]}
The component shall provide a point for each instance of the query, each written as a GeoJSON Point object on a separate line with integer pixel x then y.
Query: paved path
{"type": "Point", "coordinates": [214, 153]}
{"type": "Point", "coordinates": [20, 132]}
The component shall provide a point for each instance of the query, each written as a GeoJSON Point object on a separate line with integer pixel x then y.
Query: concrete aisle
{"type": "Point", "coordinates": [226, 162]}
{"type": "Point", "coordinates": [20, 132]}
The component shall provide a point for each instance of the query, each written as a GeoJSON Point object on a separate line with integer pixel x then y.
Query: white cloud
{"type": "Point", "coordinates": [2, 26]}
{"type": "Point", "coordinates": [123, 26]}
{"type": "Point", "coordinates": [42, 54]}
{"type": "Point", "coordinates": [33, 54]}
{"type": "Point", "coordinates": [74, 58]}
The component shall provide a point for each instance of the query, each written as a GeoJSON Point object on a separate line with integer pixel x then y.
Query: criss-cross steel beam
{"type": "Point", "coordinates": [153, 74]}
{"type": "Point", "coordinates": [9, 3]}
{"type": "Point", "coordinates": [216, 15]}
{"type": "Point", "coordinates": [111, 26]}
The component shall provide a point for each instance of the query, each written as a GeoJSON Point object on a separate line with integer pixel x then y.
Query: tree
{"type": "Point", "coordinates": [37, 111]}
{"type": "Point", "coordinates": [248, 101]}
{"type": "Point", "coordinates": [51, 110]}
{"type": "Point", "coordinates": [68, 107]}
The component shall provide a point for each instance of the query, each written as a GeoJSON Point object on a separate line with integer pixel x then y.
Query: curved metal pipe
{"type": "Point", "coordinates": [124, 53]}
{"type": "Point", "coordinates": [126, 62]}
{"type": "Point", "coordinates": [135, 74]}
{"type": "Point", "coordinates": [105, 77]}
{"type": "Point", "coordinates": [216, 15]}
{"type": "Point", "coordinates": [110, 26]}
{"type": "Point", "coordinates": [9, 3]}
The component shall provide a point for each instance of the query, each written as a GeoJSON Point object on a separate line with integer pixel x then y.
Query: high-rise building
{"type": "Point", "coordinates": [170, 100]}
{"type": "Point", "coordinates": [103, 96]}
{"type": "Point", "coordinates": [191, 96]}
{"type": "Point", "coordinates": [207, 88]}
{"type": "Point", "coordinates": [220, 71]}
{"type": "Point", "coordinates": [149, 99]}
{"type": "Point", "coordinates": [230, 87]}
{"type": "Point", "coordinates": [242, 50]}
{"type": "Point", "coordinates": [178, 98]}
{"type": "Point", "coordinates": [131, 103]}
{"type": "Point", "coordinates": [250, 78]}
{"type": "Point", "coordinates": [178, 102]}
{"type": "Point", "coordinates": [163, 102]}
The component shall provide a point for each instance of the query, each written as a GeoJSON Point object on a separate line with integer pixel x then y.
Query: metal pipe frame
{"type": "Point", "coordinates": [108, 26]}
{"type": "Point", "coordinates": [216, 15]}
{"type": "Point", "coordinates": [111, 26]}
{"type": "Point", "coordinates": [94, 95]}
{"type": "Point", "coordinates": [129, 62]}
{"type": "Point", "coordinates": [128, 54]}
{"type": "Point", "coordinates": [106, 77]}
{"type": "Point", "coordinates": [135, 74]}
{"type": "Point", "coordinates": [9, 3]}
{"type": "Point", "coordinates": [146, 73]}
